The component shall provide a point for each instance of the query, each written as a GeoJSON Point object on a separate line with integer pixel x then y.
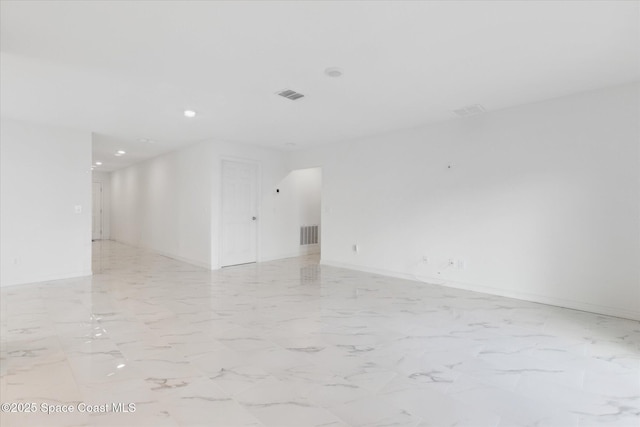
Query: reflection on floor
{"type": "Point", "coordinates": [291, 343]}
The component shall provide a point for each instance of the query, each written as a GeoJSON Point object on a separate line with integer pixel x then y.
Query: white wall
{"type": "Point", "coordinates": [299, 200]}
{"type": "Point", "coordinates": [307, 194]}
{"type": "Point", "coordinates": [165, 204]}
{"type": "Point", "coordinates": [542, 202]}
{"type": "Point", "coordinates": [104, 178]}
{"type": "Point", "coordinates": [44, 175]}
{"type": "Point", "coordinates": [171, 203]}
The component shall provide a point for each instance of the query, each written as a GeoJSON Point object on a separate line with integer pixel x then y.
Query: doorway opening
{"type": "Point", "coordinates": [306, 200]}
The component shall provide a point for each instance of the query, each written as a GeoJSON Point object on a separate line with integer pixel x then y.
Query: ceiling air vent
{"type": "Point", "coordinates": [470, 110]}
{"type": "Point", "coordinates": [290, 94]}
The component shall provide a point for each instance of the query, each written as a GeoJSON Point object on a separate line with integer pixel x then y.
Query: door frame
{"type": "Point", "coordinates": [258, 166]}
{"type": "Point", "coordinates": [93, 183]}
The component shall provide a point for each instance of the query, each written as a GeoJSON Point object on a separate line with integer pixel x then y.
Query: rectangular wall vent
{"type": "Point", "coordinates": [290, 94]}
{"type": "Point", "coordinates": [470, 110]}
{"type": "Point", "coordinates": [308, 235]}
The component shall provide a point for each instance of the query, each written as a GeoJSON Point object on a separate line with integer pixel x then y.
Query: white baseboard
{"type": "Point", "coordinates": [304, 250]}
{"type": "Point", "coordinates": [50, 278]}
{"type": "Point", "coordinates": [182, 259]}
{"type": "Point", "coordinates": [525, 296]}
{"type": "Point", "coordinates": [168, 255]}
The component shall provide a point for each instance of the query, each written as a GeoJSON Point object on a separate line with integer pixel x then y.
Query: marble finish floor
{"type": "Point", "coordinates": [292, 343]}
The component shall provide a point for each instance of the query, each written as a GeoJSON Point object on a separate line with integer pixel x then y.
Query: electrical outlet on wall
{"type": "Point", "coordinates": [425, 259]}
{"type": "Point", "coordinates": [462, 264]}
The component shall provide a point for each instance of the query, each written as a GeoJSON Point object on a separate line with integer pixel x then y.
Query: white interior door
{"type": "Point", "coordinates": [97, 211]}
{"type": "Point", "coordinates": [239, 213]}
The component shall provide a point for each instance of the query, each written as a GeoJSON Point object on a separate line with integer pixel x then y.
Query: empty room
{"type": "Point", "coordinates": [320, 213]}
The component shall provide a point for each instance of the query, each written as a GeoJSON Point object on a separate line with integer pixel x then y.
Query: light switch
{"type": "Point", "coordinates": [78, 209]}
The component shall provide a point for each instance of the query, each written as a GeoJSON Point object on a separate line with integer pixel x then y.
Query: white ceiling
{"type": "Point", "coordinates": [127, 70]}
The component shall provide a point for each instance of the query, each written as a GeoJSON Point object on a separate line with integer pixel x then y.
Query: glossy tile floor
{"type": "Point", "coordinates": [291, 343]}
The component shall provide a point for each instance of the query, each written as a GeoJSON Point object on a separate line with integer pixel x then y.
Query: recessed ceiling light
{"type": "Point", "coordinates": [290, 144]}
{"type": "Point", "coordinates": [470, 110]}
{"type": "Point", "coordinates": [333, 72]}
{"type": "Point", "coordinates": [189, 113]}
{"type": "Point", "coordinates": [121, 152]}
{"type": "Point", "coordinates": [98, 163]}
